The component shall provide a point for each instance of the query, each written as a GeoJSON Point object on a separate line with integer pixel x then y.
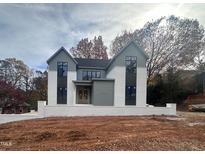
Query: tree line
{"type": "Point", "coordinates": [175, 67]}
{"type": "Point", "coordinates": [20, 84]}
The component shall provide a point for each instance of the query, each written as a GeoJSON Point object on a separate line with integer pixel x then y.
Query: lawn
{"type": "Point", "coordinates": [185, 132]}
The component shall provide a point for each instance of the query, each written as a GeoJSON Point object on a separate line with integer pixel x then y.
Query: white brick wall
{"type": "Point", "coordinates": [108, 110]}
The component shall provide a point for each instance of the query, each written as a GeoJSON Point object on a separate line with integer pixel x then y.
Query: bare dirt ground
{"type": "Point", "coordinates": [185, 132]}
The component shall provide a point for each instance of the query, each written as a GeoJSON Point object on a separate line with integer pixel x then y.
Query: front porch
{"type": "Point", "coordinates": [96, 92]}
{"type": "Point", "coordinates": [83, 92]}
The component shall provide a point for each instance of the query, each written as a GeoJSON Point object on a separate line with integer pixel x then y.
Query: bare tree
{"type": "Point", "coordinates": [99, 49]}
{"type": "Point", "coordinates": [169, 41]}
{"type": "Point", "coordinates": [16, 73]}
{"type": "Point", "coordinates": [120, 41]}
{"type": "Point", "coordinates": [200, 57]}
{"type": "Point", "coordinates": [83, 49]}
{"type": "Point", "coordinates": [40, 85]}
{"type": "Point", "coordinates": [91, 49]}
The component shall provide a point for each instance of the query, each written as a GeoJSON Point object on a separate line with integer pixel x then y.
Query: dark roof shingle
{"type": "Point", "coordinates": [99, 63]}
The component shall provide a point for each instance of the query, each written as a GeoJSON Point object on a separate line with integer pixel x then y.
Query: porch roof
{"type": "Point", "coordinates": [82, 82]}
{"type": "Point", "coordinates": [90, 82]}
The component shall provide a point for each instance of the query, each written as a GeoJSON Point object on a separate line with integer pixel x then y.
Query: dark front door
{"type": "Point", "coordinates": [83, 94]}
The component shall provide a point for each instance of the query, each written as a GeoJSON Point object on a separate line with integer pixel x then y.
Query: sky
{"type": "Point", "coordinates": [33, 32]}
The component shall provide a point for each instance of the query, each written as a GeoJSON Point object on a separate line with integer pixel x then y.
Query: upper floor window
{"type": "Point", "coordinates": [131, 63]}
{"type": "Point", "coordinates": [62, 68]}
{"type": "Point", "coordinates": [88, 75]}
{"type": "Point", "coordinates": [130, 82]}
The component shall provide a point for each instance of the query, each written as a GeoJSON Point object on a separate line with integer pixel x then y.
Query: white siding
{"type": "Point", "coordinates": [71, 89]}
{"type": "Point", "coordinates": [118, 73]}
{"type": "Point", "coordinates": [52, 87]}
{"type": "Point", "coordinates": [141, 93]}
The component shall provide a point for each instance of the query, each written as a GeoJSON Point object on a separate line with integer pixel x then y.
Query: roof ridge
{"type": "Point", "coordinates": [92, 58]}
{"type": "Point", "coordinates": [58, 51]}
{"type": "Point", "coordinates": [94, 63]}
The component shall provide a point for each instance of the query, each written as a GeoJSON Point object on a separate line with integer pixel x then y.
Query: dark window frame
{"type": "Point", "coordinates": [62, 69]}
{"type": "Point", "coordinates": [130, 88]}
{"type": "Point", "coordinates": [88, 75]}
{"type": "Point", "coordinates": [62, 95]}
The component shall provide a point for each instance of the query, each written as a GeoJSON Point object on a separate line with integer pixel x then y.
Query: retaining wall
{"type": "Point", "coordinates": [89, 110]}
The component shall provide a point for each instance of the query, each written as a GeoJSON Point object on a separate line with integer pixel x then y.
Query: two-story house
{"type": "Point", "coordinates": [84, 87]}
{"type": "Point", "coordinates": [120, 81]}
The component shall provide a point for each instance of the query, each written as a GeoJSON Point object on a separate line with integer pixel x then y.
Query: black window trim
{"type": "Point", "coordinates": [62, 69]}
{"type": "Point", "coordinates": [85, 75]}
{"type": "Point", "coordinates": [61, 64]}
{"type": "Point", "coordinates": [62, 96]}
{"type": "Point", "coordinates": [130, 58]}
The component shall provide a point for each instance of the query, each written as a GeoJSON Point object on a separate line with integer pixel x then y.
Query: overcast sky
{"type": "Point", "coordinates": [33, 32]}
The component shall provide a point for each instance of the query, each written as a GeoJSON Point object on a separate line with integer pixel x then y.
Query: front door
{"type": "Point", "coordinates": [83, 95]}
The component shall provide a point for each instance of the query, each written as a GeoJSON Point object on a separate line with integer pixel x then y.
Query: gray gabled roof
{"type": "Point", "coordinates": [62, 49]}
{"type": "Point", "coordinates": [123, 49]}
{"type": "Point", "coordinates": [92, 63]}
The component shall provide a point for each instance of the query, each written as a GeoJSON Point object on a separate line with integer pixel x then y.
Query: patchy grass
{"type": "Point", "coordinates": [106, 133]}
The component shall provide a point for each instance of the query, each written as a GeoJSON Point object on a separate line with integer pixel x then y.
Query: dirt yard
{"type": "Point", "coordinates": [185, 132]}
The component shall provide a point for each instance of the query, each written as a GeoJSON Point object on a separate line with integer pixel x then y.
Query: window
{"type": "Point", "coordinates": [131, 91]}
{"type": "Point", "coordinates": [130, 87]}
{"type": "Point", "coordinates": [62, 95]}
{"type": "Point", "coordinates": [62, 68]}
{"type": "Point", "coordinates": [88, 75]}
{"type": "Point", "coordinates": [98, 75]}
{"type": "Point", "coordinates": [93, 74]}
{"type": "Point", "coordinates": [84, 77]}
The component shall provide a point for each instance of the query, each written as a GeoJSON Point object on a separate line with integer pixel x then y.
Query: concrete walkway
{"type": "Point", "coordinates": [4, 118]}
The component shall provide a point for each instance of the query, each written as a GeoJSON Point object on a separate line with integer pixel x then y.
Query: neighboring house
{"type": "Point", "coordinates": [94, 87]}
{"type": "Point", "coordinates": [120, 81]}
